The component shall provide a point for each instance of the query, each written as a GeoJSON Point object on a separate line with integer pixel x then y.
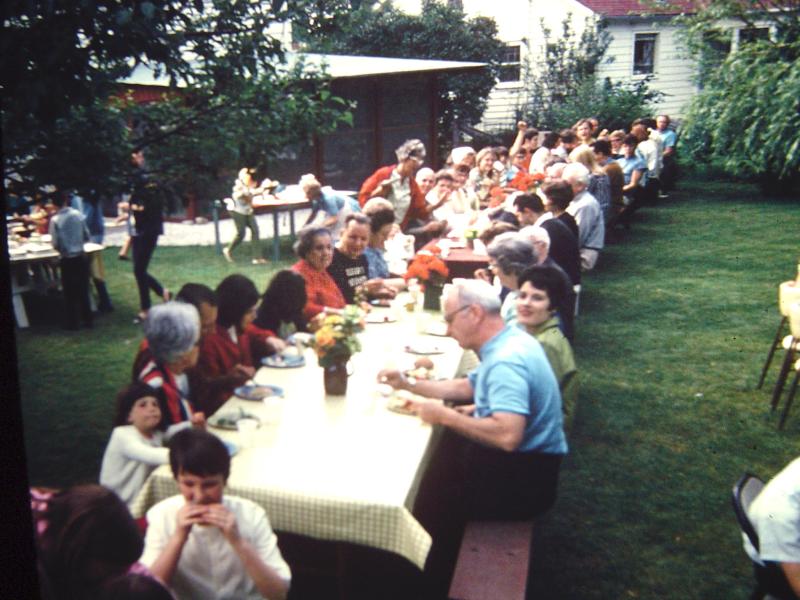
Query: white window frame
{"type": "Point", "coordinates": [520, 64]}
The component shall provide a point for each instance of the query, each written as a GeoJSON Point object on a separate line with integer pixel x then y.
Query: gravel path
{"type": "Point", "coordinates": [202, 234]}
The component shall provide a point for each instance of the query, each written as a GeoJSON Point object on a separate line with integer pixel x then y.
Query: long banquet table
{"type": "Point", "coordinates": [336, 468]}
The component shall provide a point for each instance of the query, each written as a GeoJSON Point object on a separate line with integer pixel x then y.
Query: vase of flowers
{"type": "Point", "coordinates": [431, 270]}
{"type": "Point", "coordinates": [335, 341]}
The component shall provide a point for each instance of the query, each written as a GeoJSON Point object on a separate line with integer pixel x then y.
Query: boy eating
{"type": "Point", "coordinates": [204, 545]}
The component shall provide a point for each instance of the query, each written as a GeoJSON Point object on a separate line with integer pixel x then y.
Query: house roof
{"type": "Point", "coordinates": [338, 67]}
{"type": "Point", "coordinates": [628, 8]}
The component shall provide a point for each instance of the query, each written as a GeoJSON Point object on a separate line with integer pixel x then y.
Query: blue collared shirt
{"type": "Point", "coordinates": [515, 377]}
{"type": "Point", "coordinates": [69, 232]}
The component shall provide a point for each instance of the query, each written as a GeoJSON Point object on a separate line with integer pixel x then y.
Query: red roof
{"type": "Point", "coordinates": [625, 8]}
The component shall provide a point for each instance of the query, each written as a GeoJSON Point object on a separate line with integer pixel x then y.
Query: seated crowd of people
{"type": "Point", "coordinates": [542, 212]}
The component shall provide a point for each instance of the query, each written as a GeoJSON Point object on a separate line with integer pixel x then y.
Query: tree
{"type": "Point", "coordinates": [229, 99]}
{"type": "Point", "coordinates": [746, 117]}
{"type": "Point", "coordinates": [441, 31]}
{"type": "Point", "coordinates": [566, 87]}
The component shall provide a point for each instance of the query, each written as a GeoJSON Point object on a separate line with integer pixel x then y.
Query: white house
{"type": "Point", "coordinates": [644, 43]}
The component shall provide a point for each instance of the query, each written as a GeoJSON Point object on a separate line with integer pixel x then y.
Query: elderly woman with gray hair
{"type": "Point", "coordinates": [509, 256]}
{"type": "Point", "coordinates": [172, 331]}
{"type": "Point", "coordinates": [396, 183]}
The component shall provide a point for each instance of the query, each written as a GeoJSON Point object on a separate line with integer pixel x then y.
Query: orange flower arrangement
{"type": "Point", "coordinates": [428, 267]}
{"type": "Point", "coordinates": [336, 340]}
{"type": "Point", "coordinates": [526, 182]}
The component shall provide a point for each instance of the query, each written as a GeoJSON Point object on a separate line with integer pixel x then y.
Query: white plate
{"type": "Point", "coordinates": [424, 348]}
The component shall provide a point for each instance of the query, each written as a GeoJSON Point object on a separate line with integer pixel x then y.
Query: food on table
{"type": "Point", "coordinates": [229, 419]}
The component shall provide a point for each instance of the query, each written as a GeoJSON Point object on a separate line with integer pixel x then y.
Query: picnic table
{"type": "Point", "coordinates": [34, 266]}
{"type": "Point", "coordinates": [337, 468]}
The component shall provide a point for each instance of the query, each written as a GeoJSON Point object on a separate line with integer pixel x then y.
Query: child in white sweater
{"type": "Point", "coordinates": [136, 446]}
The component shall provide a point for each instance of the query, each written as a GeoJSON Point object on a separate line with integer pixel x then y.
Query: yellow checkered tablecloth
{"type": "Point", "coordinates": [335, 468]}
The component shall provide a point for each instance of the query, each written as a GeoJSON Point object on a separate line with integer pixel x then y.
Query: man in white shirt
{"type": "Point", "coordinates": [204, 545]}
{"type": "Point", "coordinates": [775, 515]}
{"type": "Point", "coordinates": [588, 214]}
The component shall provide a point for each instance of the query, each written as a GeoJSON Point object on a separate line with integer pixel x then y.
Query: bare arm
{"type": "Point", "coordinates": [451, 389]}
{"type": "Point", "coordinates": [269, 583]}
{"type": "Point", "coordinates": [635, 177]}
{"type": "Point", "coordinates": [501, 429]}
{"type": "Point", "coordinates": [792, 573]}
{"type": "Point", "coordinates": [522, 127]}
{"type": "Point", "coordinates": [164, 566]}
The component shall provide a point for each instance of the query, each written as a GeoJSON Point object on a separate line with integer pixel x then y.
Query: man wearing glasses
{"type": "Point", "coordinates": [499, 457]}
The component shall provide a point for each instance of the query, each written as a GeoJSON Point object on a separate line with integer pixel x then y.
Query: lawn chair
{"type": "Point", "coordinates": [788, 293]}
{"type": "Point", "coordinates": [791, 344]}
{"type": "Point", "coordinates": [769, 577]}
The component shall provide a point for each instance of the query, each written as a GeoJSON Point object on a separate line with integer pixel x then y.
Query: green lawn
{"type": "Point", "coordinates": [674, 327]}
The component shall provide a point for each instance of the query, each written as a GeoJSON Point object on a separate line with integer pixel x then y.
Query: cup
{"type": "Point", "coordinates": [247, 432]}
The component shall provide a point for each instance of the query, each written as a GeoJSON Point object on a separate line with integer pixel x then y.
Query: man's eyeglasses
{"type": "Point", "coordinates": [448, 318]}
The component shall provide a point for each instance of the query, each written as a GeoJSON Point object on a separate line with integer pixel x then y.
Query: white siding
{"type": "Point", "coordinates": [673, 68]}
{"type": "Point", "coordinates": [520, 21]}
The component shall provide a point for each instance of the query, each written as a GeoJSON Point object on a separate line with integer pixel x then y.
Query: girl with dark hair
{"type": "Point", "coordinates": [136, 446]}
{"type": "Point", "coordinates": [279, 315]}
{"type": "Point", "coordinates": [226, 351]}
{"type": "Point", "coordinates": [85, 536]}
{"type": "Point", "coordinates": [281, 308]}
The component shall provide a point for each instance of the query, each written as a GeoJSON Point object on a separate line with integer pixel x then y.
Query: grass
{"type": "Point", "coordinates": [675, 324]}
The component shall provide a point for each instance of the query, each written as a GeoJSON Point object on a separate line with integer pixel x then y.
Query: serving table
{"type": "Point", "coordinates": [337, 468]}
{"type": "Point", "coordinates": [35, 267]}
{"type": "Point", "coordinates": [274, 206]}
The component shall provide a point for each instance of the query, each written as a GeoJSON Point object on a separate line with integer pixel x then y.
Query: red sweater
{"type": "Point", "coordinates": [418, 209]}
{"type": "Point", "coordinates": [218, 355]}
{"type": "Point", "coordinates": [321, 289]}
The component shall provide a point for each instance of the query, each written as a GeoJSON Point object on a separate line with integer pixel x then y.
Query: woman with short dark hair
{"type": "Point", "coordinates": [541, 292]}
{"type": "Point", "coordinates": [314, 249]}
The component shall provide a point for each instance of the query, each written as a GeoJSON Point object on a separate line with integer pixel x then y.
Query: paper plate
{"type": "Point", "coordinates": [257, 392]}
{"type": "Point", "coordinates": [281, 361]}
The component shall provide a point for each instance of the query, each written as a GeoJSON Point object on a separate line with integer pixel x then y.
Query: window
{"type": "Point", "coordinates": [510, 70]}
{"type": "Point", "coordinates": [644, 53]}
{"type": "Point", "coordinates": [752, 34]}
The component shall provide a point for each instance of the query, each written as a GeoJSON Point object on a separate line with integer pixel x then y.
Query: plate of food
{"type": "Point", "coordinates": [379, 317]}
{"type": "Point", "coordinates": [424, 347]}
{"type": "Point", "coordinates": [228, 420]}
{"type": "Point", "coordinates": [254, 391]}
{"type": "Point", "coordinates": [437, 328]}
{"type": "Point", "coordinates": [401, 403]}
{"type": "Point", "coordinates": [284, 361]}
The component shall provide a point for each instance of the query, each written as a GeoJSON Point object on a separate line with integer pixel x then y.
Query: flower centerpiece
{"type": "Point", "coordinates": [335, 341]}
{"type": "Point", "coordinates": [431, 270]}
{"type": "Point", "coordinates": [526, 182]}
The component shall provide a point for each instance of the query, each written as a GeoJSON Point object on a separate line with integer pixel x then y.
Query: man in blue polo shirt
{"type": "Point", "coordinates": [515, 422]}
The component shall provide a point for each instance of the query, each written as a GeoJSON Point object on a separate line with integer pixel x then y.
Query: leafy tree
{"type": "Point", "coordinates": [565, 86]}
{"type": "Point", "coordinates": [746, 117]}
{"type": "Point", "coordinates": [441, 31]}
{"type": "Point", "coordinates": [230, 100]}
{"type": "Point", "coordinates": [614, 104]}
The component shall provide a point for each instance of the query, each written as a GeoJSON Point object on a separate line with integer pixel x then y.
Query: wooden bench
{"type": "Point", "coordinates": [492, 561]}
